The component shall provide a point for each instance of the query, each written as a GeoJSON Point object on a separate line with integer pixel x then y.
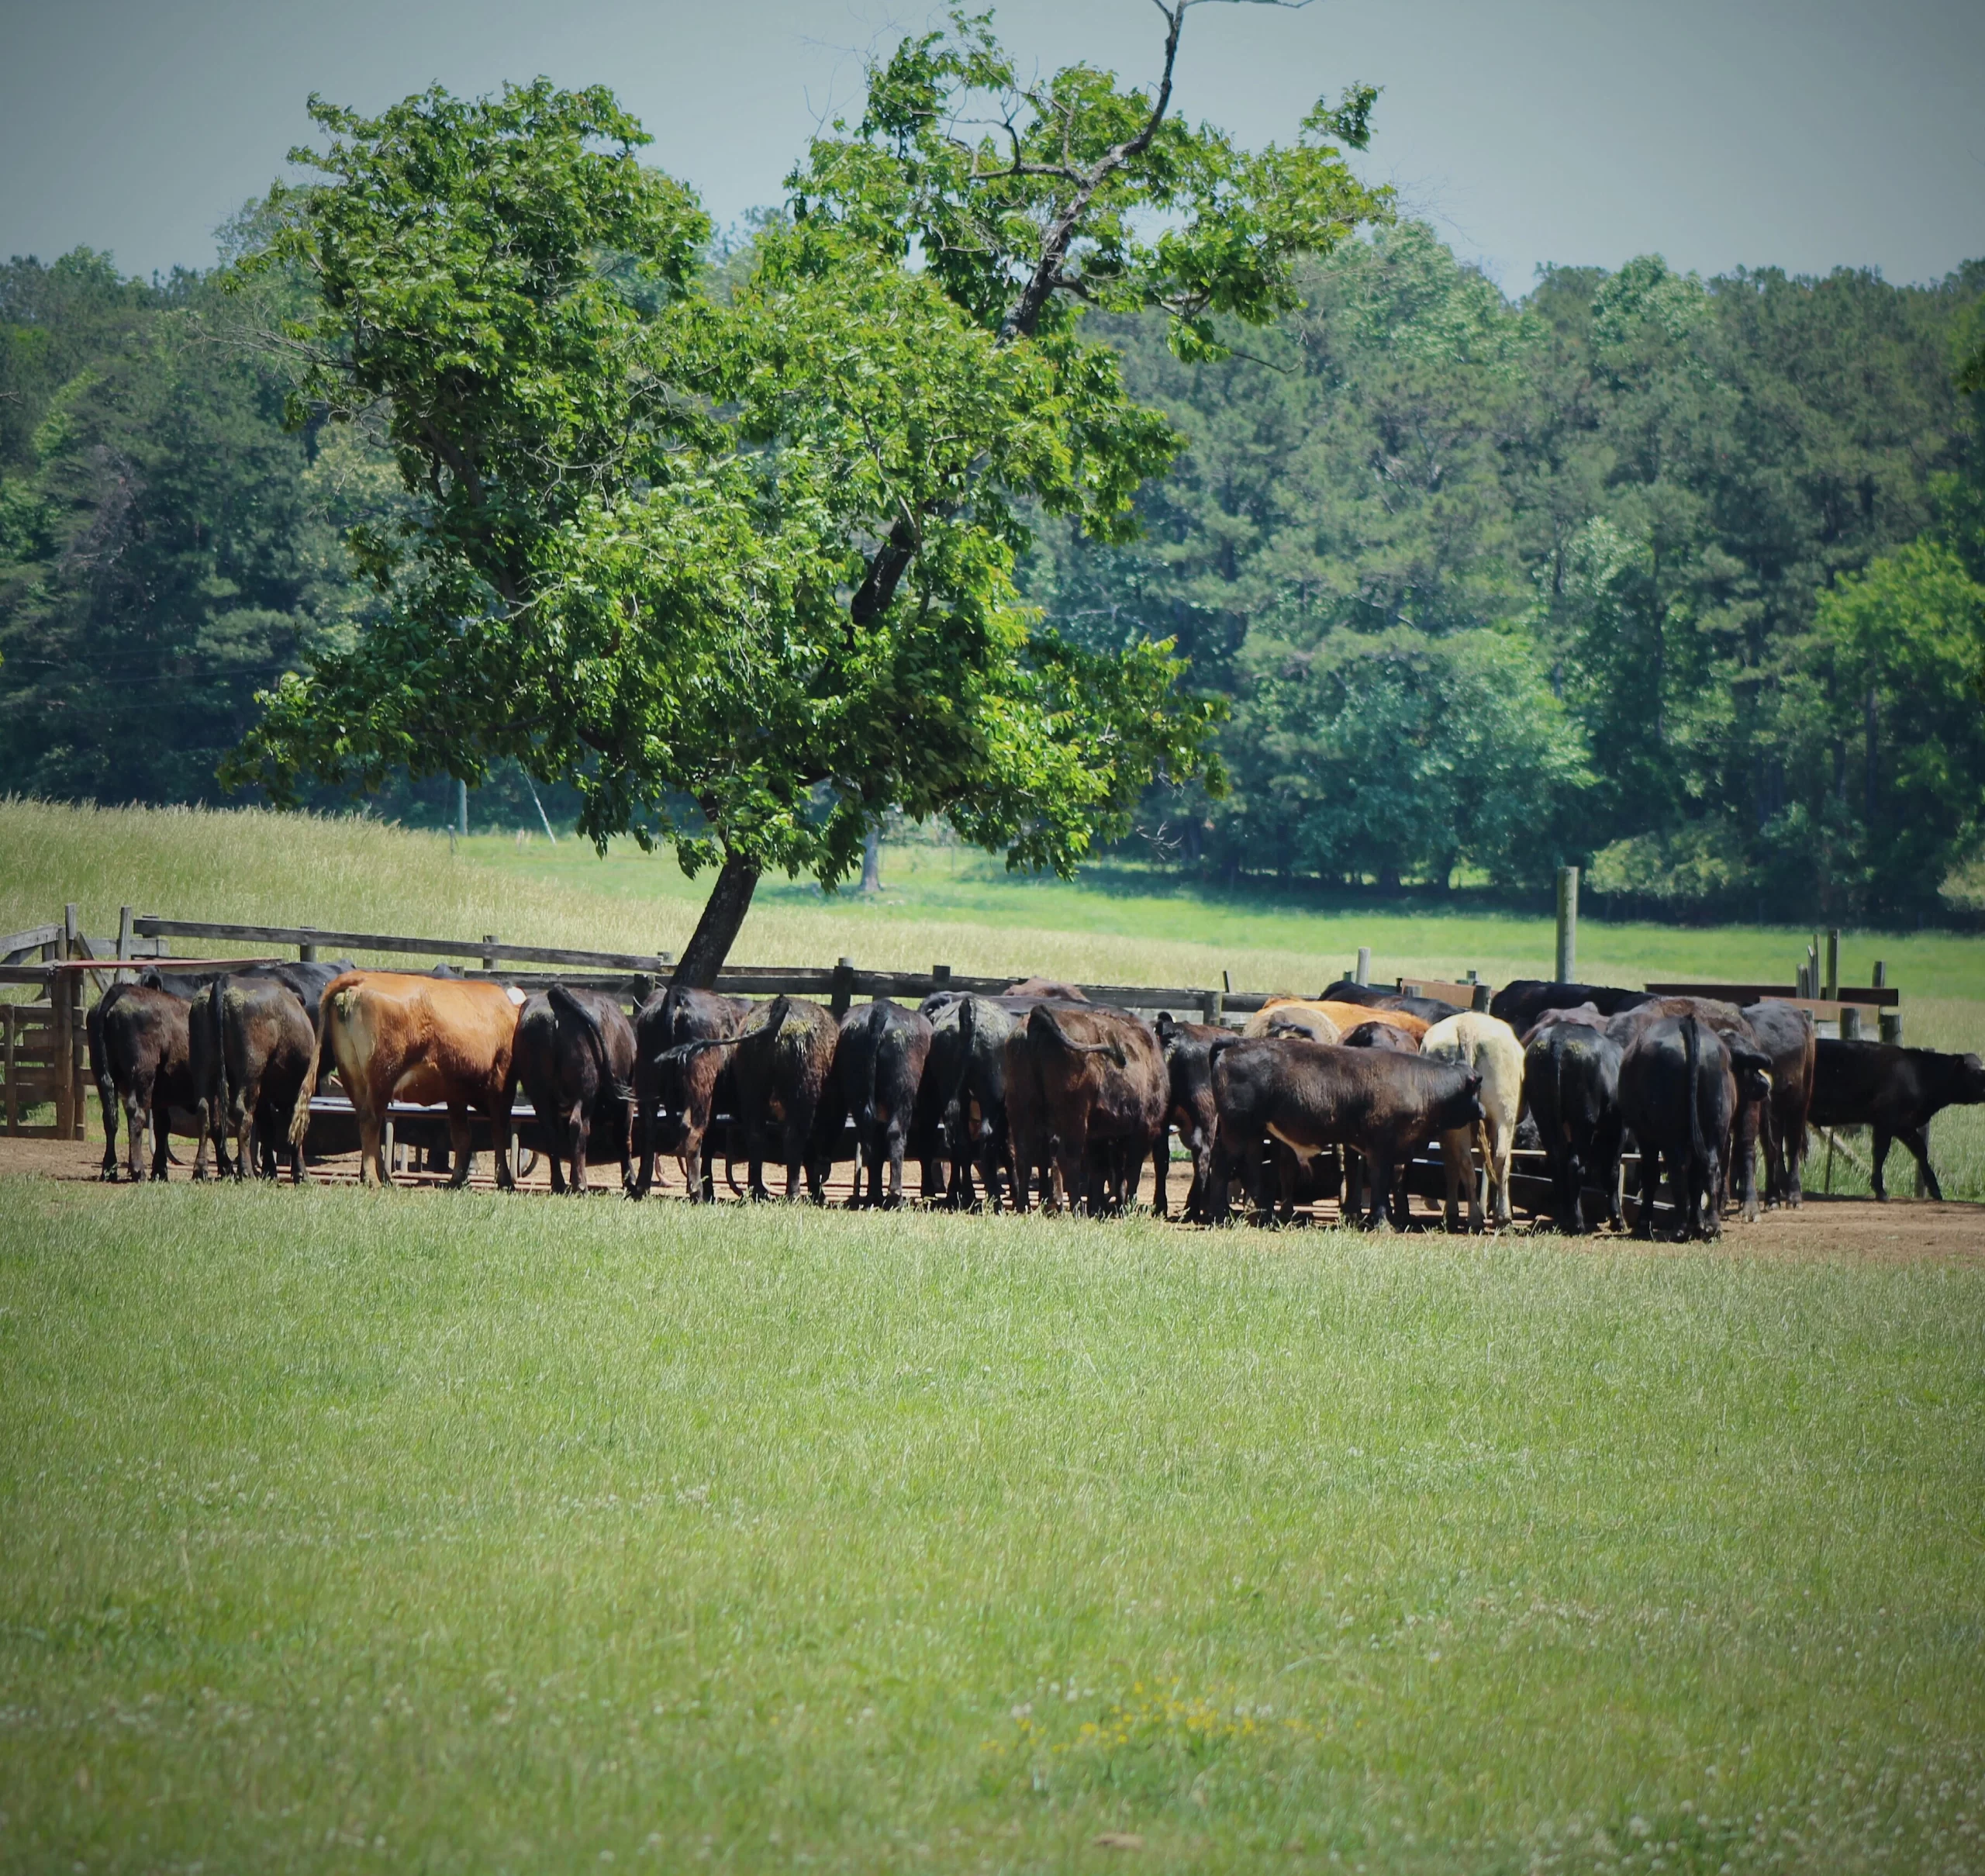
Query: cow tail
{"type": "Point", "coordinates": [954, 1102]}
{"type": "Point", "coordinates": [106, 1085]}
{"type": "Point", "coordinates": [1692, 1057]}
{"type": "Point", "coordinates": [217, 1041]}
{"type": "Point", "coordinates": [879, 1032]}
{"type": "Point", "coordinates": [564, 1001]}
{"type": "Point", "coordinates": [1045, 1017]}
{"type": "Point", "coordinates": [300, 1121]}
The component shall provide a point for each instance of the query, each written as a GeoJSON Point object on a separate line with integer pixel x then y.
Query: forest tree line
{"type": "Point", "coordinates": [1683, 580]}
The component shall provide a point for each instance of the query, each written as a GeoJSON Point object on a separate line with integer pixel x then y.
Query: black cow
{"type": "Point", "coordinates": [1737, 1153]}
{"type": "Point", "coordinates": [1309, 1096]}
{"type": "Point", "coordinates": [140, 1057]}
{"type": "Point", "coordinates": [678, 1086]}
{"type": "Point", "coordinates": [1344, 990]}
{"type": "Point", "coordinates": [879, 1067]}
{"type": "Point", "coordinates": [1677, 1081]}
{"type": "Point", "coordinates": [252, 1046]}
{"type": "Point", "coordinates": [1785, 1032]}
{"type": "Point", "coordinates": [1571, 1085]}
{"type": "Point", "coordinates": [1521, 1003]}
{"type": "Point", "coordinates": [962, 1105]}
{"type": "Point", "coordinates": [1189, 1049]}
{"type": "Point", "coordinates": [1895, 1091]}
{"type": "Point", "coordinates": [574, 1057]}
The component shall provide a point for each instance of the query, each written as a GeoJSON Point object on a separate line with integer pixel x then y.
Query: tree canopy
{"type": "Point", "coordinates": [741, 567]}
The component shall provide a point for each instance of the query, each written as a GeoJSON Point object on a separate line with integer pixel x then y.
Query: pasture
{"type": "Point", "coordinates": [430, 1530]}
{"type": "Point", "coordinates": [459, 1532]}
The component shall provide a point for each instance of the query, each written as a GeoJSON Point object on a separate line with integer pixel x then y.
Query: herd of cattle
{"type": "Point", "coordinates": [1037, 1091]}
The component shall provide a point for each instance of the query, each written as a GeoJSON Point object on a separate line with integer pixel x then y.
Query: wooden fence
{"type": "Point", "coordinates": [45, 1056]}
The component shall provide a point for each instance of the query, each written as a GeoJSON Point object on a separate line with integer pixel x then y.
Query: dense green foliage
{"type": "Point", "coordinates": [1682, 579]}
{"type": "Point", "coordinates": [1641, 502]}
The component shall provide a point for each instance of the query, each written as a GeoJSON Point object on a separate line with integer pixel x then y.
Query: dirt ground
{"type": "Point", "coordinates": [1903, 1231]}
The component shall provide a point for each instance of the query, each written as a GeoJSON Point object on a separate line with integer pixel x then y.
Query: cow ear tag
{"type": "Point", "coordinates": [515, 995]}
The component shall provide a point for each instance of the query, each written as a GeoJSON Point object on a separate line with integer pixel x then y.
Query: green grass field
{"type": "Point", "coordinates": [430, 1531]}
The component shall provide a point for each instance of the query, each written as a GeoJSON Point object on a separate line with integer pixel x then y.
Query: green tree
{"type": "Point", "coordinates": [741, 566]}
{"type": "Point", "coordinates": [1894, 727]}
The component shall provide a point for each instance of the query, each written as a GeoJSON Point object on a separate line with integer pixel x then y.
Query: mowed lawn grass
{"type": "Point", "coordinates": [429, 1531]}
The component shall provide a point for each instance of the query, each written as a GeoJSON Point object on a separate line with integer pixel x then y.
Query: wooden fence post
{"type": "Point", "coordinates": [1891, 1026]}
{"type": "Point", "coordinates": [1479, 998]}
{"type": "Point", "coordinates": [1363, 974]}
{"type": "Point", "coordinates": [1881, 977]}
{"type": "Point", "coordinates": [1210, 1006]}
{"type": "Point", "coordinates": [1833, 961]}
{"type": "Point", "coordinates": [61, 1004]}
{"type": "Point", "coordinates": [125, 938]}
{"type": "Point", "coordinates": [1850, 1022]}
{"type": "Point", "coordinates": [8, 1014]}
{"type": "Point", "coordinates": [843, 987]}
{"type": "Point", "coordinates": [1568, 924]}
{"type": "Point", "coordinates": [306, 952]}
{"type": "Point", "coordinates": [489, 956]}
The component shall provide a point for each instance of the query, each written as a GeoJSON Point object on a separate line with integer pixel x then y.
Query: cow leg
{"type": "Point", "coordinates": [461, 1149]}
{"type": "Point", "coordinates": [371, 1150]}
{"type": "Point", "coordinates": [206, 1119]}
{"type": "Point", "coordinates": [1383, 1173]}
{"type": "Point", "coordinates": [576, 1132]}
{"type": "Point", "coordinates": [244, 1141]}
{"type": "Point", "coordinates": [1457, 1163]}
{"type": "Point", "coordinates": [106, 1096]}
{"type": "Point", "coordinates": [1878, 1159]}
{"type": "Point", "coordinates": [1917, 1140]}
{"type": "Point", "coordinates": [644, 1175]}
{"type": "Point", "coordinates": [1744, 1155]}
{"type": "Point", "coordinates": [136, 1107]}
{"type": "Point", "coordinates": [1496, 1145]}
{"type": "Point", "coordinates": [1650, 1187]}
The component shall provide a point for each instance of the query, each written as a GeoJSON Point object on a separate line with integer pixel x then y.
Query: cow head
{"type": "Point", "coordinates": [1168, 1033]}
{"type": "Point", "coordinates": [1971, 1079]}
{"type": "Point", "coordinates": [1463, 1108]}
{"type": "Point", "coordinates": [1752, 1070]}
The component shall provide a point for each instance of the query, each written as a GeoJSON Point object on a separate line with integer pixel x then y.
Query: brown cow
{"type": "Point", "coordinates": [431, 1040]}
{"type": "Point", "coordinates": [1053, 989]}
{"type": "Point", "coordinates": [1079, 1075]}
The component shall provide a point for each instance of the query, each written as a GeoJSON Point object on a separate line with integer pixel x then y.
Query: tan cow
{"type": "Point", "coordinates": [435, 1041]}
{"type": "Point", "coordinates": [1302, 1012]}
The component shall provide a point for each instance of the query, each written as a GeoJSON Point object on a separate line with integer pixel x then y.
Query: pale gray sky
{"type": "Point", "coordinates": [1803, 134]}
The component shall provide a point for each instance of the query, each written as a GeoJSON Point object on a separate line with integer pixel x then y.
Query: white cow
{"type": "Point", "coordinates": [1488, 1046]}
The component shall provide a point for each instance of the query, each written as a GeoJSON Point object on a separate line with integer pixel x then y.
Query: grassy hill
{"type": "Point", "coordinates": [939, 905]}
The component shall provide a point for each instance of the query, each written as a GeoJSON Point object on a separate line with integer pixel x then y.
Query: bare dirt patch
{"type": "Point", "coordinates": [1903, 1231]}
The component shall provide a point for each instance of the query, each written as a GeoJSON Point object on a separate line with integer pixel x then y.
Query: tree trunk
{"type": "Point", "coordinates": [871, 860]}
{"type": "Point", "coordinates": [716, 930]}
